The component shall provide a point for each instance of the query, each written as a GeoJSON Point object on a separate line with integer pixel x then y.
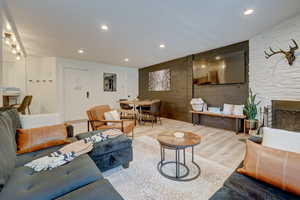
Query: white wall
{"type": "Point", "coordinates": [1, 51]}
{"type": "Point", "coordinates": [127, 82]}
{"type": "Point", "coordinates": [1, 56]}
{"type": "Point", "coordinates": [273, 78]}
{"type": "Point", "coordinates": [14, 71]}
{"type": "Point", "coordinates": [41, 84]}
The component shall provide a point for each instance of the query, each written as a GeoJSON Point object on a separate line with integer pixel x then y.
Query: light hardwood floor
{"type": "Point", "coordinates": [221, 146]}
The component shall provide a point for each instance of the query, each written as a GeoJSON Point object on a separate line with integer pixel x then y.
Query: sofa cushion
{"type": "Point", "coordinates": [15, 118]}
{"type": "Point", "coordinates": [228, 109]}
{"type": "Point", "coordinates": [24, 183]}
{"type": "Point", "coordinates": [226, 193]}
{"type": "Point", "coordinates": [9, 124]}
{"type": "Point", "coordinates": [100, 190]}
{"type": "Point", "coordinates": [251, 188]}
{"type": "Point", "coordinates": [107, 146]}
{"type": "Point", "coordinates": [34, 139]}
{"type": "Point", "coordinates": [25, 158]}
{"type": "Point", "coordinates": [281, 139]}
{"type": "Point", "coordinates": [7, 150]}
{"type": "Point", "coordinates": [273, 166]}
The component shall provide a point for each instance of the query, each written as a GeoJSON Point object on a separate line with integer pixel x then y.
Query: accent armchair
{"type": "Point", "coordinates": [96, 121]}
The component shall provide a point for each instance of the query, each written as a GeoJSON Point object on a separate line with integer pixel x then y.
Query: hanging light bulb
{"type": "Point", "coordinates": [7, 38]}
{"type": "Point", "coordinates": [8, 27]}
{"type": "Point", "coordinates": [18, 56]}
{"type": "Point", "coordinates": [14, 50]}
{"type": "Point", "coordinates": [18, 48]}
{"type": "Point", "coordinates": [7, 41]}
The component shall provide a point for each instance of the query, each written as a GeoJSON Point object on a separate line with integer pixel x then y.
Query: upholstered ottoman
{"type": "Point", "coordinates": [110, 153]}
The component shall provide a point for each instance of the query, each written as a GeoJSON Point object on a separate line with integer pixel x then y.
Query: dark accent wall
{"type": "Point", "coordinates": [176, 103]}
{"type": "Point", "coordinates": [217, 95]}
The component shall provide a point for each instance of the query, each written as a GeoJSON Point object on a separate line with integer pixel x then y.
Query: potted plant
{"type": "Point", "coordinates": [250, 111]}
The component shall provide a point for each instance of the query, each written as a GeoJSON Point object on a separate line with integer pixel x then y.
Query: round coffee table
{"type": "Point", "coordinates": [168, 140]}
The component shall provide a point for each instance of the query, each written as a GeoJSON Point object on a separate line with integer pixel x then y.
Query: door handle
{"type": "Point", "coordinates": [87, 94]}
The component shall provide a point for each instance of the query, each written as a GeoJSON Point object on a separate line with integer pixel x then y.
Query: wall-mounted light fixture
{"type": "Point", "coordinates": [11, 40]}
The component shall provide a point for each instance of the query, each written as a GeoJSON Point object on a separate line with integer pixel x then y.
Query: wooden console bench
{"type": "Point", "coordinates": [238, 118]}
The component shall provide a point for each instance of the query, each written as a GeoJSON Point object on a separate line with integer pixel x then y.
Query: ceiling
{"type": "Point", "coordinates": [137, 27]}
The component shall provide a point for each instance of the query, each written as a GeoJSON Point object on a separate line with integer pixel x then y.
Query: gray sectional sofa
{"type": "Point", "coordinates": [79, 179]}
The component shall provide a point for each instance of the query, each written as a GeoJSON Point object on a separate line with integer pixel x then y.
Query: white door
{"type": "Point", "coordinates": [77, 93]}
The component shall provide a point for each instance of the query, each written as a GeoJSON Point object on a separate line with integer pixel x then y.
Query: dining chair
{"type": "Point", "coordinates": [127, 111]}
{"type": "Point", "coordinates": [26, 102]}
{"type": "Point", "coordinates": [154, 113]}
{"type": "Point", "coordinates": [125, 106]}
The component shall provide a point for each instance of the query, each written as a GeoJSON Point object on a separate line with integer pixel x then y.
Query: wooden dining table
{"type": "Point", "coordinates": [139, 103]}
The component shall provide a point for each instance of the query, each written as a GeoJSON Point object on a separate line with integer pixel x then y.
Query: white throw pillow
{"type": "Point", "coordinates": [115, 115]}
{"type": "Point", "coordinates": [228, 109]}
{"type": "Point", "coordinates": [238, 109]}
{"type": "Point", "coordinates": [281, 139]}
{"type": "Point", "coordinates": [111, 115]}
{"type": "Point", "coordinates": [36, 121]}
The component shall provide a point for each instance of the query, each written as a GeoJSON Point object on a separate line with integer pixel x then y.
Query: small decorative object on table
{"type": "Point", "coordinates": [179, 134]}
{"type": "Point", "coordinates": [214, 109]}
{"type": "Point", "coordinates": [197, 104]}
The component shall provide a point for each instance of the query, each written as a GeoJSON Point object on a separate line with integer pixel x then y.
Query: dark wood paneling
{"type": "Point", "coordinates": [175, 103]}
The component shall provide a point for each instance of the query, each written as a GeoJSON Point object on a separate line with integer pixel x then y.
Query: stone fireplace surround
{"type": "Point", "coordinates": [286, 115]}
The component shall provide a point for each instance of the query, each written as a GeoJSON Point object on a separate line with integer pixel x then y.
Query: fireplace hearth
{"type": "Point", "coordinates": [286, 115]}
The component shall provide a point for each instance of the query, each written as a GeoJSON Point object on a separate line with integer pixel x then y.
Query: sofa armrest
{"type": "Point", "coordinates": [70, 130]}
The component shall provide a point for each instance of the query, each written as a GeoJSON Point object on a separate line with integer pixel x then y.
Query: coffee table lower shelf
{"type": "Point", "coordinates": [178, 163]}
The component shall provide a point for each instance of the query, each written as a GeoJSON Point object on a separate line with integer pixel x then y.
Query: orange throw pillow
{"type": "Point", "coordinates": [34, 139]}
{"type": "Point", "coordinates": [276, 167]}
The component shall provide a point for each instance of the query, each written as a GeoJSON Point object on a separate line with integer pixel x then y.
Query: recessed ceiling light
{"type": "Point", "coordinates": [80, 51]}
{"type": "Point", "coordinates": [162, 46]}
{"type": "Point", "coordinates": [218, 57]}
{"type": "Point", "coordinates": [126, 59]}
{"type": "Point", "coordinates": [203, 66]}
{"type": "Point", "coordinates": [248, 12]}
{"type": "Point", "coordinates": [104, 27]}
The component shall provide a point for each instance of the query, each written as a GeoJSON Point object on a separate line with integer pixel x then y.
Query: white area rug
{"type": "Point", "coordinates": [142, 181]}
